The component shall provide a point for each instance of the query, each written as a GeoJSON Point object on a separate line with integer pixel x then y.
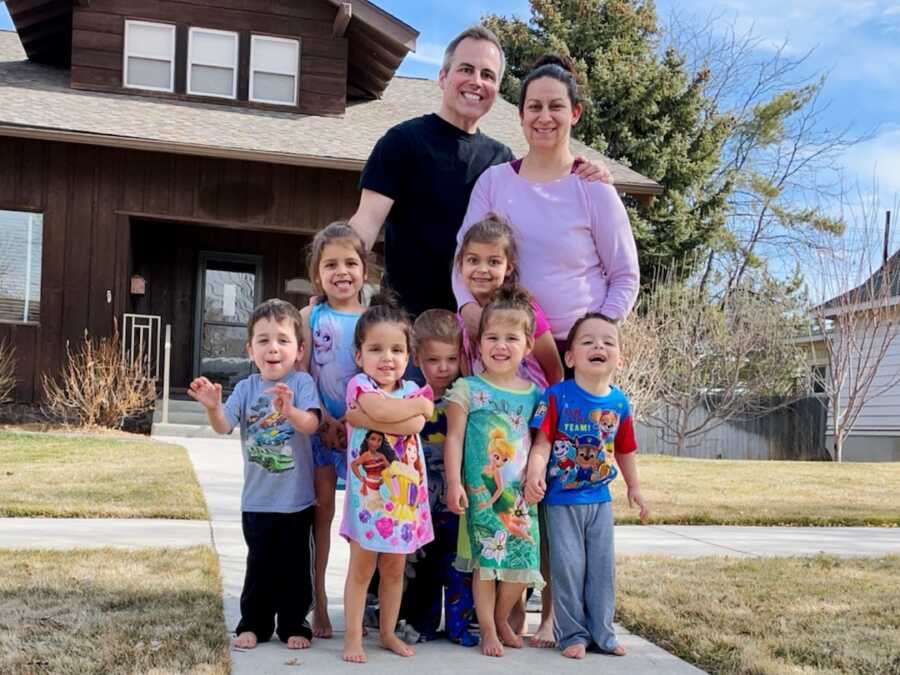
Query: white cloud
{"type": "Point", "coordinates": [429, 53]}
{"type": "Point", "coordinates": [878, 159]}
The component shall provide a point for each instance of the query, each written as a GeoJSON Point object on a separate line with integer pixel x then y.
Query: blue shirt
{"type": "Point", "coordinates": [278, 463]}
{"type": "Point", "coordinates": [585, 432]}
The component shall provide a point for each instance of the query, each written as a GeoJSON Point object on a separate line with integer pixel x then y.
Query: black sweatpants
{"type": "Point", "coordinates": [278, 581]}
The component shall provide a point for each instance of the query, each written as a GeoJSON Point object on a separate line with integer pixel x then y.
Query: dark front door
{"type": "Point", "coordinates": [228, 288]}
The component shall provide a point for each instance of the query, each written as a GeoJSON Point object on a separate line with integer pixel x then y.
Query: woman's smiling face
{"type": "Point", "coordinates": [548, 115]}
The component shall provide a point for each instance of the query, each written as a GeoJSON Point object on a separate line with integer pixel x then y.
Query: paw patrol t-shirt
{"type": "Point", "coordinates": [585, 432]}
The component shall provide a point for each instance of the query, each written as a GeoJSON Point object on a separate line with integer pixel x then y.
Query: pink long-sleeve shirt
{"type": "Point", "coordinates": [576, 248]}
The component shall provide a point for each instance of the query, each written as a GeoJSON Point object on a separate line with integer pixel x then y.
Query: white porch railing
{"type": "Point", "coordinates": [140, 341]}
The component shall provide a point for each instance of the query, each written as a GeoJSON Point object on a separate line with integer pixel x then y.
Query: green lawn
{"type": "Point", "coordinates": [115, 476]}
{"type": "Point", "coordinates": [767, 616]}
{"type": "Point", "coordinates": [102, 611]}
{"type": "Point", "coordinates": [741, 492]}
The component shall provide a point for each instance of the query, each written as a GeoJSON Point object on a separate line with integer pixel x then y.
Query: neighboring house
{"type": "Point", "coordinates": [172, 159]}
{"type": "Point", "coordinates": [876, 434]}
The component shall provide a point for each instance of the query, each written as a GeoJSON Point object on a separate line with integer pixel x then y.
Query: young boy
{"type": "Point", "coordinates": [276, 409]}
{"type": "Point", "coordinates": [582, 424]}
{"type": "Point", "coordinates": [437, 339]}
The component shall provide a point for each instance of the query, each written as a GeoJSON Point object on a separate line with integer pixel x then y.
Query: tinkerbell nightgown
{"type": "Point", "coordinates": [498, 533]}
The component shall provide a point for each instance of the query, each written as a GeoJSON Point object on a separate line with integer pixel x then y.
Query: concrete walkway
{"type": "Point", "coordinates": [217, 463]}
{"type": "Point", "coordinates": [218, 467]}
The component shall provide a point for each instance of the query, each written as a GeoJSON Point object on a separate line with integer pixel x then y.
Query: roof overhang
{"type": "Point", "coordinates": [150, 145]}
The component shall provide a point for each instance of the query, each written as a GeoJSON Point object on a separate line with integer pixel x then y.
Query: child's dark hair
{"type": "Point", "coordinates": [277, 310]}
{"type": "Point", "coordinates": [573, 331]}
{"type": "Point", "coordinates": [385, 448]}
{"type": "Point", "coordinates": [556, 67]}
{"type": "Point", "coordinates": [384, 307]}
{"type": "Point", "coordinates": [509, 297]}
{"type": "Point", "coordinates": [437, 324]}
{"type": "Point", "coordinates": [338, 231]}
{"type": "Point", "coordinates": [492, 229]}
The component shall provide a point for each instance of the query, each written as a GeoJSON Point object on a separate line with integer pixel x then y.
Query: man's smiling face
{"type": "Point", "coordinates": [470, 83]}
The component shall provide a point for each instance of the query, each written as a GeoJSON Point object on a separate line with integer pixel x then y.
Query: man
{"type": "Point", "coordinates": [420, 175]}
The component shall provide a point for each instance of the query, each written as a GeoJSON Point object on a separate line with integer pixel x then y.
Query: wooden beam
{"type": "Point", "coordinates": [342, 19]}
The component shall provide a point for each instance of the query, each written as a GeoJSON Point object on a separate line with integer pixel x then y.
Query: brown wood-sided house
{"type": "Point", "coordinates": [172, 158]}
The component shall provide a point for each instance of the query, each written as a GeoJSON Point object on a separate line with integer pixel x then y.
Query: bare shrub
{"type": "Point", "coordinates": [7, 371]}
{"type": "Point", "coordinates": [99, 385]}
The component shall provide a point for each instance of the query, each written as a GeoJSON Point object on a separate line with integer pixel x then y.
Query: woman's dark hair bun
{"type": "Point", "coordinates": [563, 62]}
{"type": "Point", "coordinates": [386, 297]}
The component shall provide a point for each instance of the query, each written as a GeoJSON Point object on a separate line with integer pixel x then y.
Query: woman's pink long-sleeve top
{"type": "Point", "coordinates": [576, 248]}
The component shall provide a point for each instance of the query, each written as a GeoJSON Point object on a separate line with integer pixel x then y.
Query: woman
{"type": "Point", "coordinates": [576, 247]}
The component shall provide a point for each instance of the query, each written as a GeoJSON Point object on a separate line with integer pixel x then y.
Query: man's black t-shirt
{"type": "Point", "coordinates": [428, 167]}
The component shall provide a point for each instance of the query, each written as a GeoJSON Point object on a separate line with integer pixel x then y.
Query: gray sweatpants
{"type": "Point", "coordinates": [582, 573]}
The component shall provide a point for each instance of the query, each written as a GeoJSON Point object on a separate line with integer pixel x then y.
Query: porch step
{"type": "Point", "coordinates": [186, 418]}
{"type": "Point", "coordinates": [191, 431]}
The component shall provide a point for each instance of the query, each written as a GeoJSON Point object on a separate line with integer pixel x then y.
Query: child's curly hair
{"type": "Point", "coordinates": [510, 297]}
{"type": "Point", "coordinates": [384, 308]}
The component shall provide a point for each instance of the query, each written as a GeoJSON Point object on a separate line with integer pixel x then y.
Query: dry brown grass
{"type": "Point", "coordinates": [767, 616]}
{"type": "Point", "coordinates": [732, 492]}
{"type": "Point", "coordinates": [99, 385]}
{"type": "Point", "coordinates": [96, 476]}
{"type": "Point", "coordinates": [7, 370]}
{"type": "Point", "coordinates": [108, 611]}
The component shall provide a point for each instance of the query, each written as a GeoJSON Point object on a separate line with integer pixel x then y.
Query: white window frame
{"type": "Point", "coordinates": [126, 54]}
{"type": "Point", "coordinates": [295, 74]}
{"type": "Point", "coordinates": [234, 68]}
{"type": "Point", "coordinates": [34, 218]}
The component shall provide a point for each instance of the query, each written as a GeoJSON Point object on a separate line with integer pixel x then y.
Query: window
{"type": "Point", "coordinates": [818, 379]}
{"type": "Point", "coordinates": [21, 237]}
{"type": "Point", "coordinates": [212, 63]}
{"type": "Point", "coordinates": [274, 64]}
{"type": "Point", "coordinates": [149, 56]}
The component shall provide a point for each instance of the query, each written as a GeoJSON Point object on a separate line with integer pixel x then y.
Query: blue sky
{"type": "Point", "coordinates": [856, 41]}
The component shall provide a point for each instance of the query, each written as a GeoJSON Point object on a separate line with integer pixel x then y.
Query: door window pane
{"type": "Point", "coordinates": [21, 244]}
{"type": "Point", "coordinates": [230, 296]}
{"type": "Point", "coordinates": [223, 358]}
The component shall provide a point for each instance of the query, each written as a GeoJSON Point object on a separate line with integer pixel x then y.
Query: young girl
{"type": "Point", "coordinates": [484, 458]}
{"type": "Point", "coordinates": [587, 422]}
{"type": "Point", "coordinates": [487, 259]}
{"type": "Point", "coordinates": [337, 262]}
{"type": "Point", "coordinates": [386, 512]}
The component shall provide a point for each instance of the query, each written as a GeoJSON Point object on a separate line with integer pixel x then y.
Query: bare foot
{"type": "Point", "coordinates": [321, 624]}
{"type": "Point", "coordinates": [394, 644]}
{"type": "Point", "coordinates": [575, 651]}
{"type": "Point", "coordinates": [544, 636]}
{"type": "Point", "coordinates": [508, 636]}
{"type": "Point", "coordinates": [518, 620]}
{"type": "Point", "coordinates": [491, 645]}
{"type": "Point", "coordinates": [297, 642]}
{"type": "Point", "coordinates": [246, 640]}
{"type": "Point", "coordinates": [353, 649]}
{"type": "Point", "coordinates": [619, 650]}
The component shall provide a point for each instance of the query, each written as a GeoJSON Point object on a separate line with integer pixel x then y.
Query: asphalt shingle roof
{"type": "Point", "coordinates": [38, 97]}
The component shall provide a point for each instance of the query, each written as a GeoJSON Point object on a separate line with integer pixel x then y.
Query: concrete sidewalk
{"type": "Point", "coordinates": [218, 467]}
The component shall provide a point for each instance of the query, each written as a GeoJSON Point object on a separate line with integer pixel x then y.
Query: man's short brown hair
{"type": "Point", "coordinates": [477, 32]}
